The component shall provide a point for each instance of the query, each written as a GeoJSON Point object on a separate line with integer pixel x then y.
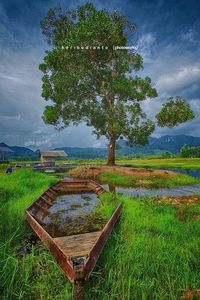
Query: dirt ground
{"type": "Point", "coordinates": [179, 200]}
{"type": "Point", "coordinates": [94, 171]}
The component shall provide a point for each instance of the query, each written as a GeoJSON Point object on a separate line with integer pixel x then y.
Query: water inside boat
{"type": "Point", "coordinates": [73, 214]}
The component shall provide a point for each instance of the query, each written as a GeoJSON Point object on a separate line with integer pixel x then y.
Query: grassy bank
{"type": "Point", "coordinates": [153, 252]}
{"type": "Point", "coordinates": [148, 182]}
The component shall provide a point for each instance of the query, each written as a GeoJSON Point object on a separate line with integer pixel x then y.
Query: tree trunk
{"type": "Point", "coordinates": [111, 151]}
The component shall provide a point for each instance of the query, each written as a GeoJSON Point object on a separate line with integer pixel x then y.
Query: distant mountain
{"type": "Point", "coordinates": [172, 143]}
{"type": "Point", "coordinates": [16, 152]}
{"type": "Point", "coordinates": [4, 148]}
{"type": "Point", "coordinates": [86, 152]}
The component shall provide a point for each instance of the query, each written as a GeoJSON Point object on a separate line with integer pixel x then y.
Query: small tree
{"type": "Point", "coordinates": [95, 83]}
{"type": "Point", "coordinates": [166, 154]}
{"type": "Point", "coordinates": [185, 151]}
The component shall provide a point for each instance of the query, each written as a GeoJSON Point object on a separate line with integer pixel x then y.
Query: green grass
{"type": "Point", "coordinates": [148, 182]}
{"type": "Point", "coordinates": [151, 255]}
{"type": "Point", "coordinates": [153, 252]}
{"type": "Point", "coordinates": [184, 163]}
{"type": "Point", "coordinates": [150, 162]}
{"type": "Point", "coordinates": [176, 162]}
{"type": "Point", "coordinates": [36, 275]}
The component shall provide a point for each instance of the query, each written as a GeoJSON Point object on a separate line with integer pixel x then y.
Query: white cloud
{"type": "Point", "coordinates": [145, 46]}
{"type": "Point", "coordinates": [10, 118]}
{"type": "Point", "coordinates": [184, 77]}
{"type": "Point", "coordinates": [172, 65]}
{"type": "Point", "coordinates": [38, 143]}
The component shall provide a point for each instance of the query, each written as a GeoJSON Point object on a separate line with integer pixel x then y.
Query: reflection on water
{"type": "Point", "coordinates": [50, 171]}
{"type": "Point", "coordinates": [191, 172]}
{"type": "Point", "coordinates": [175, 191]}
{"type": "Point", "coordinates": [73, 205]}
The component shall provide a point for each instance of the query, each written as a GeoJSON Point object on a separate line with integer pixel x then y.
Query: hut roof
{"type": "Point", "coordinates": [53, 153]}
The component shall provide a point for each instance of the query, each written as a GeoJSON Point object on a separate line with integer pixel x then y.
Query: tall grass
{"type": "Point", "coordinates": [3, 167]}
{"type": "Point", "coordinates": [35, 275]}
{"type": "Point", "coordinates": [151, 255]}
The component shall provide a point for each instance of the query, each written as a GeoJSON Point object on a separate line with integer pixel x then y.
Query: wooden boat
{"type": "Point", "coordinates": [76, 254]}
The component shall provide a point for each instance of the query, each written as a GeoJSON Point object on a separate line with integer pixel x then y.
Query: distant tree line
{"type": "Point", "coordinates": [187, 151]}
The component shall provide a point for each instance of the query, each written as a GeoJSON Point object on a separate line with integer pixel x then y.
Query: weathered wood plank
{"type": "Point", "coordinates": [49, 242]}
{"type": "Point", "coordinates": [77, 245]}
{"type": "Point", "coordinates": [46, 201]}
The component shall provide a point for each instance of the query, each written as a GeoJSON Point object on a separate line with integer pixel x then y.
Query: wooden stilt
{"type": "Point", "coordinates": [79, 290]}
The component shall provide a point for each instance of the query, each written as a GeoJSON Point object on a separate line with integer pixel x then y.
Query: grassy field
{"type": "Point", "coordinates": [153, 252]}
{"type": "Point", "coordinates": [150, 162]}
{"type": "Point", "coordinates": [184, 163]}
{"type": "Point", "coordinates": [148, 182]}
{"type": "Point", "coordinates": [176, 162]}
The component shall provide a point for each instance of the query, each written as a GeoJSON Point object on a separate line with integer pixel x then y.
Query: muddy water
{"type": "Point", "coordinates": [73, 214]}
{"type": "Point", "coordinates": [136, 192]}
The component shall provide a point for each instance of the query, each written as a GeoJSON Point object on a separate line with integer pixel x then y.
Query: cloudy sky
{"type": "Point", "coordinates": [168, 38]}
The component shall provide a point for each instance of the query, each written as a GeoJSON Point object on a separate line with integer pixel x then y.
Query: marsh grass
{"type": "Point", "coordinates": [148, 182]}
{"type": "Point", "coordinates": [3, 167]}
{"type": "Point", "coordinates": [153, 253]}
{"type": "Point", "coordinates": [32, 276]}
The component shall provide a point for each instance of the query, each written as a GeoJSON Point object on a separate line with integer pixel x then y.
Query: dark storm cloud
{"type": "Point", "coordinates": [167, 37]}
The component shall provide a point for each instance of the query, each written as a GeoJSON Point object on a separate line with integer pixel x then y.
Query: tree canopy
{"type": "Point", "coordinates": [187, 151]}
{"type": "Point", "coordinates": [87, 80]}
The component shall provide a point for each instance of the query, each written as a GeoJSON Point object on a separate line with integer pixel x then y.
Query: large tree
{"type": "Point", "coordinates": [87, 80]}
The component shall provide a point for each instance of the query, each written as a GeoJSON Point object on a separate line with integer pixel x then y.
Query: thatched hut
{"type": "Point", "coordinates": [47, 158]}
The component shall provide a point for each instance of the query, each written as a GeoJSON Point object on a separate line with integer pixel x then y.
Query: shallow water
{"type": "Point", "coordinates": [191, 172]}
{"type": "Point", "coordinates": [73, 214]}
{"type": "Point", "coordinates": [136, 192]}
{"type": "Point", "coordinates": [73, 205]}
{"type": "Point", "coordinates": [175, 191]}
{"type": "Point", "coordinates": [50, 171]}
